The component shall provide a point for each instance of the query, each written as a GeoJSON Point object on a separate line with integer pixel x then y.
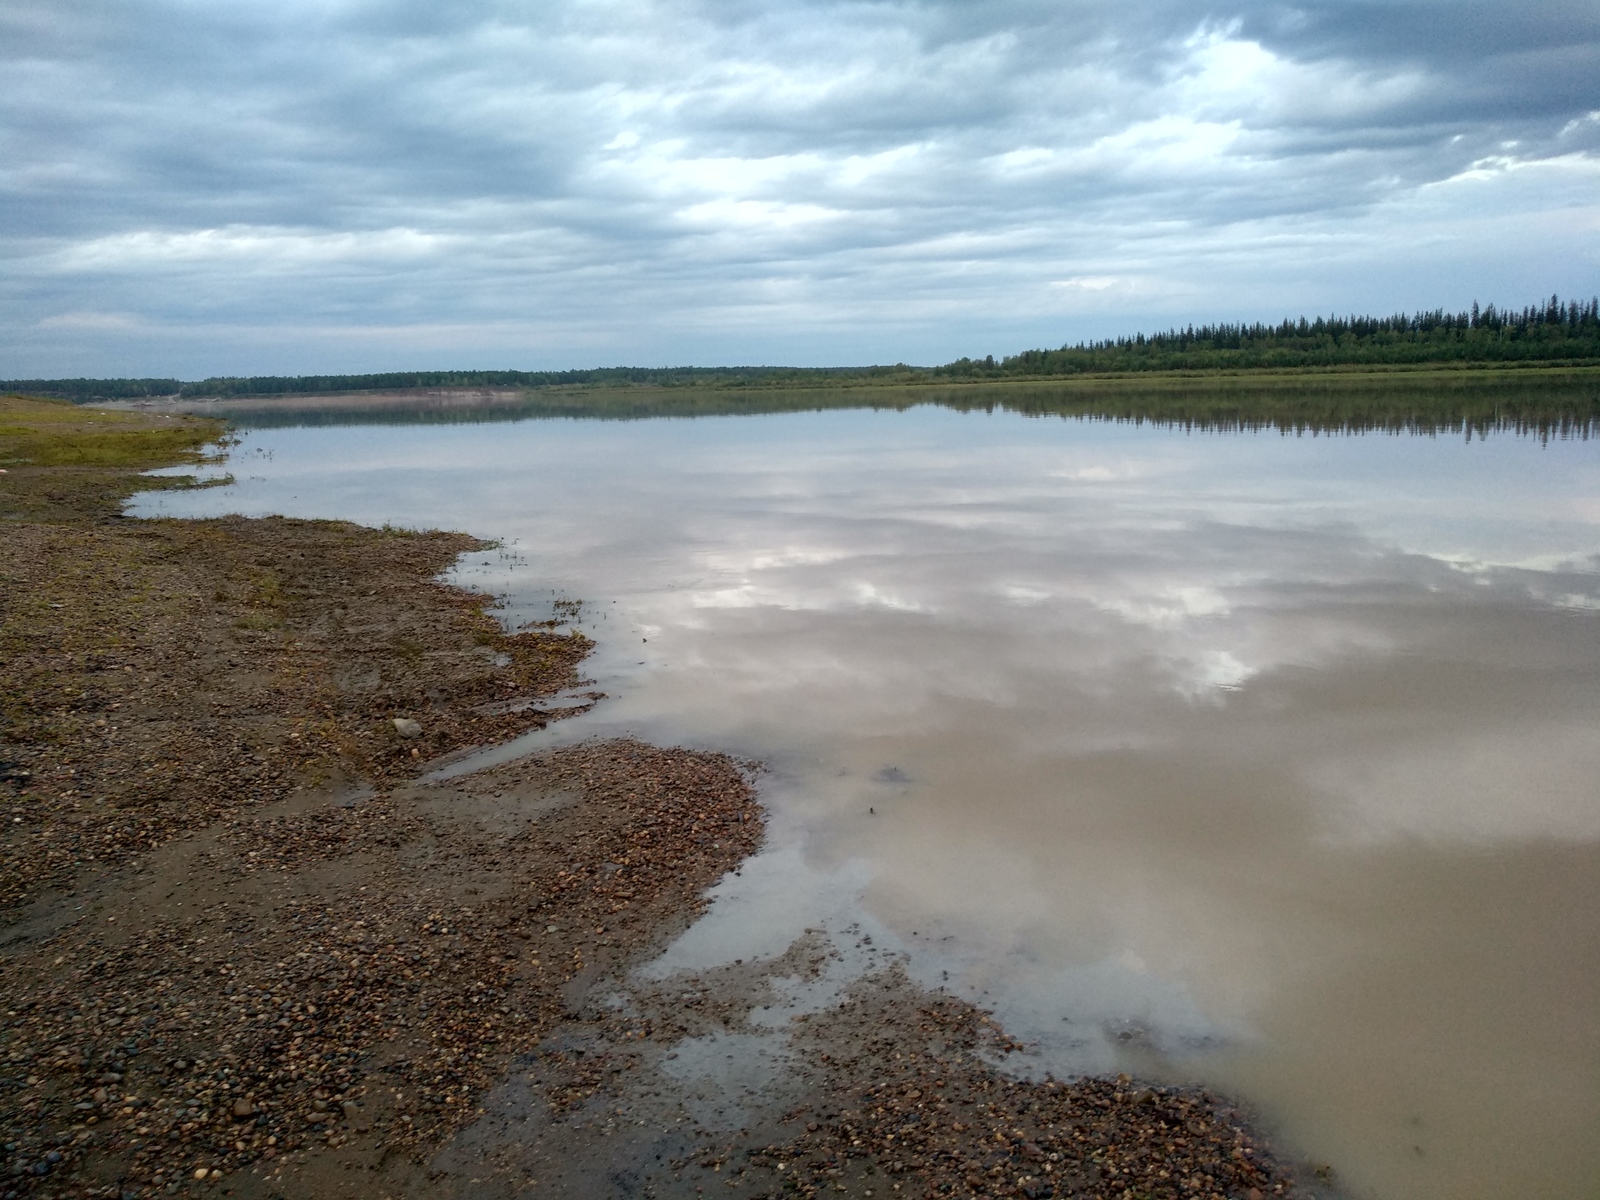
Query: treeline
{"type": "Point", "coordinates": [83, 390]}
{"type": "Point", "coordinates": [1566, 332]}
{"type": "Point", "coordinates": [223, 387]}
{"type": "Point", "coordinates": [1556, 332]}
{"type": "Point", "coordinates": [276, 385]}
{"type": "Point", "coordinates": [1551, 404]}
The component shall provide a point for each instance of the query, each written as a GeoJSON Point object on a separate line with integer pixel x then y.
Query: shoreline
{"type": "Point", "coordinates": [1545, 401]}
{"type": "Point", "coordinates": [1453, 373]}
{"type": "Point", "coordinates": [240, 936]}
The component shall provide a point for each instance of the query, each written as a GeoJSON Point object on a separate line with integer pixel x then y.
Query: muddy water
{"type": "Point", "coordinates": [1267, 761]}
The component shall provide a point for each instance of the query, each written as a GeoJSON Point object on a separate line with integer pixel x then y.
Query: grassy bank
{"type": "Point", "coordinates": [1553, 333]}
{"type": "Point", "coordinates": [38, 432]}
{"type": "Point", "coordinates": [65, 463]}
{"type": "Point", "coordinates": [1557, 402]}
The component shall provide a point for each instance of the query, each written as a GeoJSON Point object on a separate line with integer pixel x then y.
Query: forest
{"type": "Point", "coordinates": [1558, 402]}
{"type": "Point", "coordinates": [1555, 333]}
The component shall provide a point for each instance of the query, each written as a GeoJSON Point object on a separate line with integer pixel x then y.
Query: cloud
{"type": "Point", "coordinates": [805, 180]}
{"type": "Point", "coordinates": [90, 321]}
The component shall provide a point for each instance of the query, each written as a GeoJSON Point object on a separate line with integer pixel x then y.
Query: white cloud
{"type": "Point", "coordinates": [91, 321]}
{"type": "Point", "coordinates": [810, 182]}
{"type": "Point", "coordinates": [281, 249]}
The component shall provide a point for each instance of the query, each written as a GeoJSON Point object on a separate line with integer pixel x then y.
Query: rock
{"type": "Point", "coordinates": [351, 1112]}
{"type": "Point", "coordinates": [243, 1108]}
{"type": "Point", "coordinates": [407, 728]}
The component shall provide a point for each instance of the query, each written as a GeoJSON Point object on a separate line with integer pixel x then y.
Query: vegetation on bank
{"type": "Point", "coordinates": [1547, 403]}
{"type": "Point", "coordinates": [1555, 332]}
{"type": "Point", "coordinates": [66, 462]}
{"type": "Point", "coordinates": [40, 432]}
{"type": "Point", "coordinates": [87, 390]}
{"type": "Point", "coordinates": [1552, 403]}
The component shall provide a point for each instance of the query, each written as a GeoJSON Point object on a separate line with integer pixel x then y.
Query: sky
{"type": "Point", "coordinates": [199, 187]}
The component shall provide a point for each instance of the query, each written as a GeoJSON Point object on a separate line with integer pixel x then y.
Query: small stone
{"type": "Point", "coordinates": [202, 1172]}
{"type": "Point", "coordinates": [351, 1112]}
{"type": "Point", "coordinates": [407, 728]}
{"type": "Point", "coordinates": [243, 1108]}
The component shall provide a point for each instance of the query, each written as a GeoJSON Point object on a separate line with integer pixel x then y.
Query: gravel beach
{"type": "Point", "coordinates": [248, 949]}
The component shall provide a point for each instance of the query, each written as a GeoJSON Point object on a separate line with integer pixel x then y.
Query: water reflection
{"type": "Point", "coordinates": [1560, 403]}
{"type": "Point", "coordinates": [1259, 759]}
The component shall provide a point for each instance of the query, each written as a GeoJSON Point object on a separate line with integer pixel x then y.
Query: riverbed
{"type": "Point", "coordinates": [1261, 760]}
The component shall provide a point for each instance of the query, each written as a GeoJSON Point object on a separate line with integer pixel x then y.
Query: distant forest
{"type": "Point", "coordinates": [222, 387]}
{"type": "Point", "coordinates": [1559, 403]}
{"type": "Point", "coordinates": [1553, 333]}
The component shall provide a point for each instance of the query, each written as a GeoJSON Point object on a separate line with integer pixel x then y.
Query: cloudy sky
{"type": "Point", "coordinates": [225, 186]}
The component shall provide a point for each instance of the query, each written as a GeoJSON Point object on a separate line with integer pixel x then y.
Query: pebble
{"type": "Point", "coordinates": [306, 1008]}
{"type": "Point", "coordinates": [292, 1022]}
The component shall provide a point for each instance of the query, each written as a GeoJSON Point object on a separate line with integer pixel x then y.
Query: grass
{"type": "Point", "coordinates": [1548, 401]}
{"type": "Point", "coordinates": [56, 433]}
{"type": "Point", "coordinates": [67, 462]}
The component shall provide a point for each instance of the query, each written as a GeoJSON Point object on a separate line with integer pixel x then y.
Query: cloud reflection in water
{"type": "Point", "coordinates": [1264, 759]}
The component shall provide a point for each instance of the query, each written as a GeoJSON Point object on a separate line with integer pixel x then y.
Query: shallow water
{"type": "Point", "coordinates": [1261, 760]}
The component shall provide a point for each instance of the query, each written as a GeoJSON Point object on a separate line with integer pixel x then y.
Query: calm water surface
{"type": "Point", "coordinates": [1267, 761]}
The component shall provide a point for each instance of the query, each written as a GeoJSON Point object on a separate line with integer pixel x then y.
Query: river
{"type": "Point", "coordinates": [1264, 760]}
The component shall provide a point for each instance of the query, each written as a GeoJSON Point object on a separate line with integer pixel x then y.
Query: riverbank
{"type": "Point", "coordinates": [250, 948]}
{"type": "Point", "coordinates": [1550, 401]}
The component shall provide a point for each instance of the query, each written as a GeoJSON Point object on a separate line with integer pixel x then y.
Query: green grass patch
{"type": "Point", "coordinates": [50, 433]}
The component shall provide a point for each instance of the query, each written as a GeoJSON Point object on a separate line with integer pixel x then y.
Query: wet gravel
{"type": "Point", "coordinates": [929, 1110]}
{"type": "Point", "coordinates": [347, 981]}
{"type": "Point", "coordinates": [161, 674]}
{"type": "Point", "coordinates": [884, 1090]}
{"type": "Point", "coordinates": [243, 950]}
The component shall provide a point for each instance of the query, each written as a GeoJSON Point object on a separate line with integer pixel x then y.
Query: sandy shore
{"type": "Point", "coordinates": [246, 948]}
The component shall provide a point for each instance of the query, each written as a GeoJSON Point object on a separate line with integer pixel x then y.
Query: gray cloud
{"type": "Point", "coordinates": [192, 187]}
